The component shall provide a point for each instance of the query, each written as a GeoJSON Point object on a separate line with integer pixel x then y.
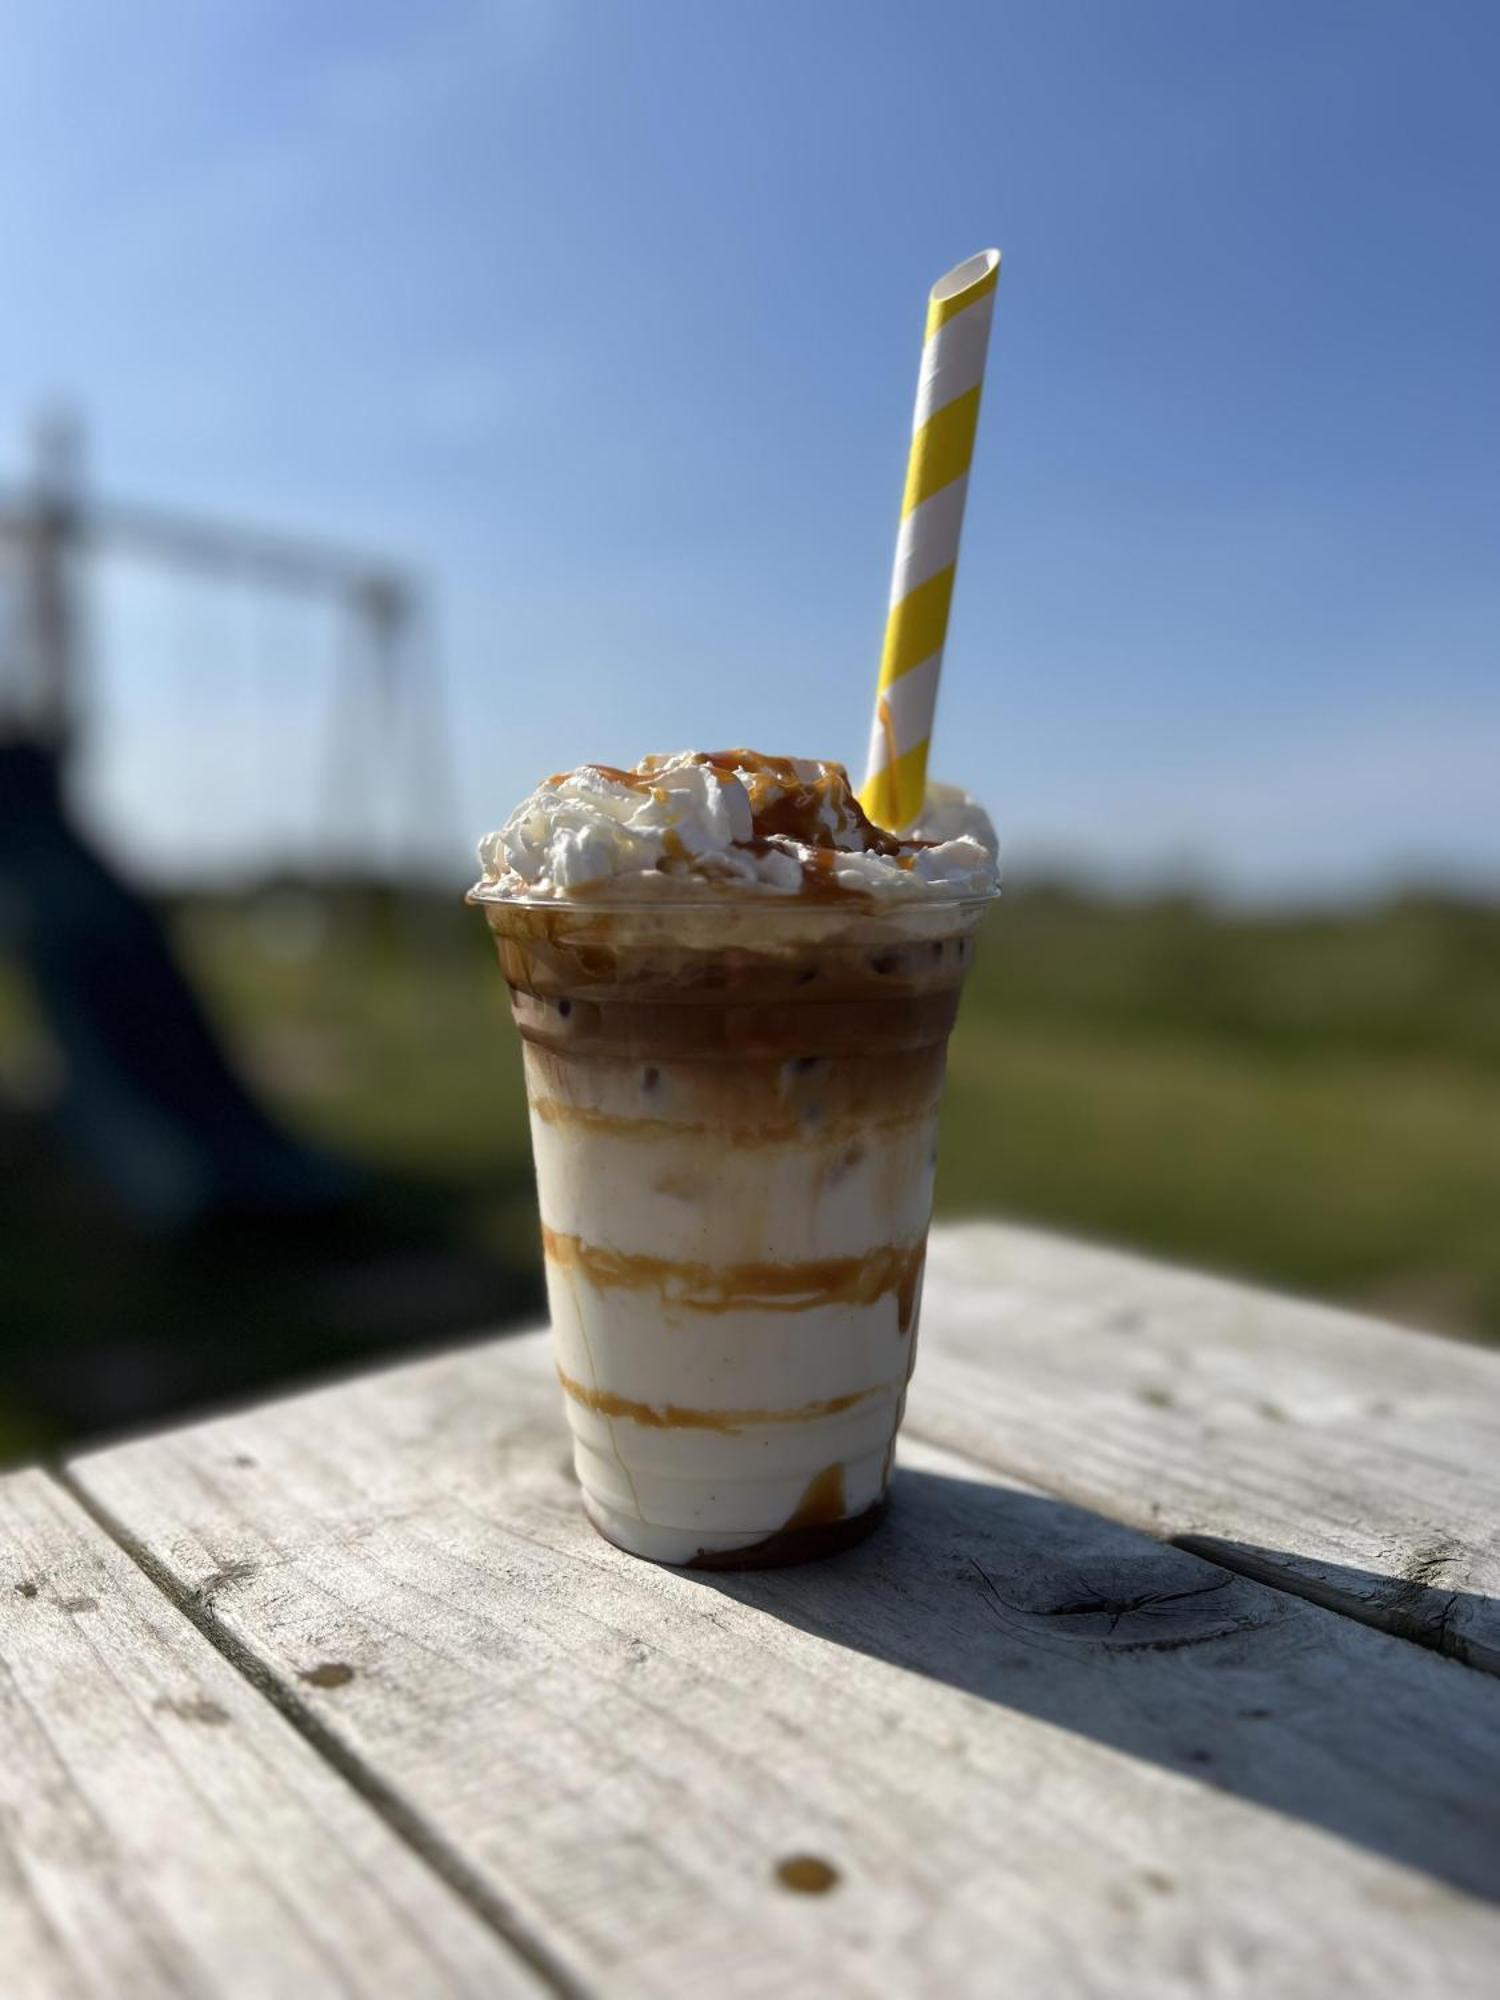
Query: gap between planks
{"type": "Point", "coordinates": [405, 1824]}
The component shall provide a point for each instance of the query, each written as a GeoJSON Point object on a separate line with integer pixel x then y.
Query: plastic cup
{"type": "Point", "coordinates": [734, 1113]}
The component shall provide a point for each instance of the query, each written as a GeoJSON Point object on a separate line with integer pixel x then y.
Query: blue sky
{"type": "Point", "coordinates": [605, 317]}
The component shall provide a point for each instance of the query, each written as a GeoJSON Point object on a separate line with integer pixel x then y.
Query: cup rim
{"type": "Point", "coordinates": [766, 902]}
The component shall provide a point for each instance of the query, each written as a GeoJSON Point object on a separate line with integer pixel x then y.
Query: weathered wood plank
{"type": "Point", "coordinates": [163, 1830]}
{"type": "Point", "coordinates": [1355, 1463]}
{"type": "Point", "coordinates": [1043, 1753]}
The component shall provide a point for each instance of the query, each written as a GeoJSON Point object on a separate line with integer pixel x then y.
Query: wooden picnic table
{"type": "Point", "coordinates": [1173, 1671]}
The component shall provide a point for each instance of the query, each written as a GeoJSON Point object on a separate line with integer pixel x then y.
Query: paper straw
{"type": "Point", "coordinates": [959, 310]}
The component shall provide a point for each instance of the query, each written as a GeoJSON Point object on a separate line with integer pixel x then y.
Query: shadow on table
{"type": "Point", "coordinates": [1066, 1616]}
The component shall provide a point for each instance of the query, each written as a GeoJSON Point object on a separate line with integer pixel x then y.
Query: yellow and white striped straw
{"type": "Point", "coordinates": [959, 310]}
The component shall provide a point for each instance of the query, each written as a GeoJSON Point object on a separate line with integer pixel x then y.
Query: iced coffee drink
{"type": "Point", "coordinates": [734, 994]}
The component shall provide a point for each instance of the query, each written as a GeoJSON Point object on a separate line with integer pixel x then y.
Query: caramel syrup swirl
{"type": "Point", "coordinates": [722, 1288]}
{"type": "Point", "coordinates": [822, 1503]}
{"type": "Point", "coordinates": [821, 813]}
{"type": "Point", "coordinates": [831, 1134]}
{"type": "Point", "coordinates": [673, 1417]}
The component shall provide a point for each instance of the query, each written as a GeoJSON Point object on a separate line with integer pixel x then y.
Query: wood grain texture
{"type": "Point", "coordinates": [163, 1830]}
{"type": "Point", "coordinates": [1007, 1745]}
{"type": "Point", "coordinates": [1355, 1463]}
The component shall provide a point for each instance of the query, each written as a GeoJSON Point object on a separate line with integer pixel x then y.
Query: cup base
{"type": "Point", "coordinates": [673, 1548]}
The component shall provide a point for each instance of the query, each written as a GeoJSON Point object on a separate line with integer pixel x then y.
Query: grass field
{"type": "Point", "coordinates": [1311, 1101]}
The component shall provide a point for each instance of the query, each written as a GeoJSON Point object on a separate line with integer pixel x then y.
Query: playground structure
{"type": "Point", "coordinates": [151, 1104]}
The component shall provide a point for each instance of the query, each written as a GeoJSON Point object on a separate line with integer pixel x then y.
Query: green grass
{"type": "Point", "coordinates": [1373, 1181]}
{"type": "Point", "coordinates": [1312, 1102]}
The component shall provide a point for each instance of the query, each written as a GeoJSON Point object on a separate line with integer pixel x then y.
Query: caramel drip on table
{"type": "Point", "coordinates": [807, 1874]}
{"type": "Point", "coordinates": [673, 1417]}
{"type": "Point", "coordinates": [721, 1288]}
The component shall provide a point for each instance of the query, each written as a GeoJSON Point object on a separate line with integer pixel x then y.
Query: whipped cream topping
{"type": "Point", "coordinates": [731, 820]}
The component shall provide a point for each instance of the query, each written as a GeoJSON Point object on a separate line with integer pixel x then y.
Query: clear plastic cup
{"type": "Point", "coordinates": [734, 1110]}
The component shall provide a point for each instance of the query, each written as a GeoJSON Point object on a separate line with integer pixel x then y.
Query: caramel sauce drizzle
{"type": "Point", "coordinates": [822, 1503]}
{"type": "Point", "coordinates": [822, 813]}
{"type": "Point", "coordinates": [722, 1288]}
{"type": "Point", "coordinates": [636, 780]}
{"type": "Point", "coordinates": [907, 1290]}
{"type": "Point", "coordinates": [673, 1417]}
